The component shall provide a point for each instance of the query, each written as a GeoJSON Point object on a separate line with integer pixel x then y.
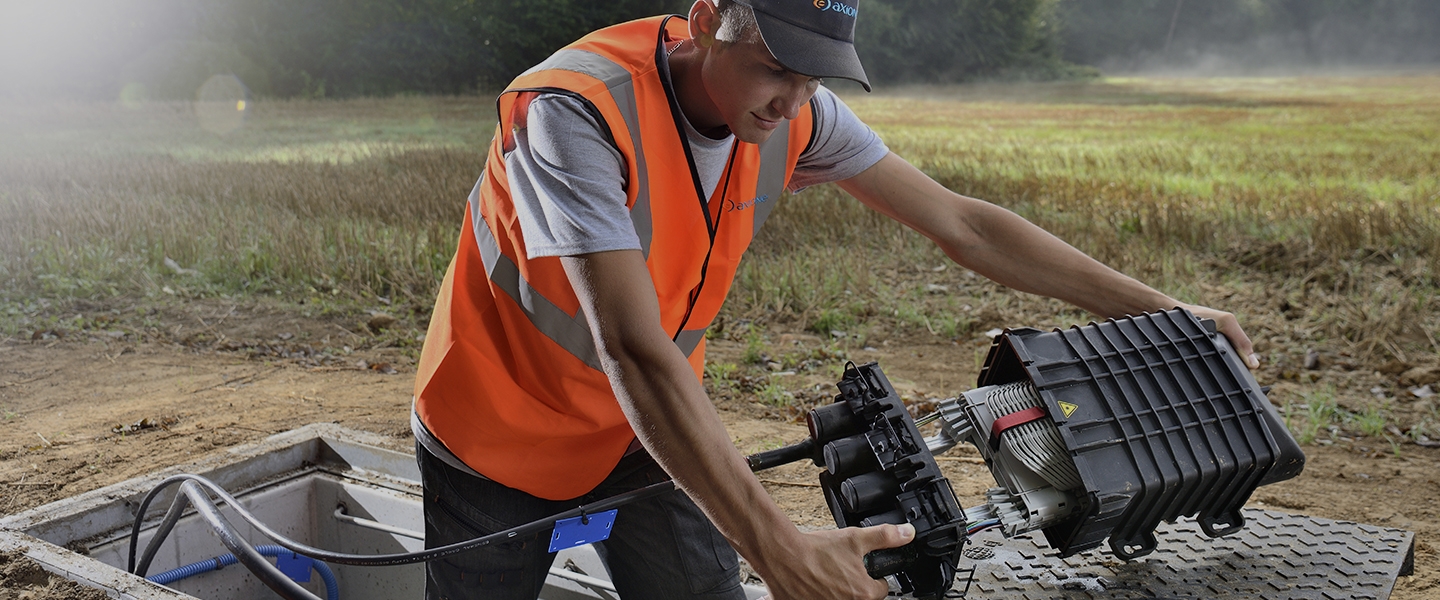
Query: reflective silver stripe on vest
{"type": "Point", "coordinates": [774, 153]}
{"type": "Point", "coordinates": [571, 333]}
{"type": "Point", "coordinates": [689, 340]}
{"type": "Point", "coordinates": [622, 89]}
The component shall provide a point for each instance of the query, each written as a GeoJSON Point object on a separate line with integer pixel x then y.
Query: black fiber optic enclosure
{"type": "Point", "coordinates": [879, 470]}
{"type": "Point", "coordinates": [1162, 419]}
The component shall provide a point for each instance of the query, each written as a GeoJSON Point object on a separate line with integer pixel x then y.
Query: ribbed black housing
{"type": "Point", "coordinates": [1162, 419]}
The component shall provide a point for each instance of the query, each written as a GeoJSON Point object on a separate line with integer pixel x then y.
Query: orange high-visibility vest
{"type": "Point", "coordinates": [509, 379]}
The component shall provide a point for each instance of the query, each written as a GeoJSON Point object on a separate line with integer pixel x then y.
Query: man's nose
{"type": "Point", "coordinates": [795, 95]}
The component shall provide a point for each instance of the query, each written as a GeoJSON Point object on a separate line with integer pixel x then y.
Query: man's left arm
{"type": "Point", "coordinates": [1012, 251]}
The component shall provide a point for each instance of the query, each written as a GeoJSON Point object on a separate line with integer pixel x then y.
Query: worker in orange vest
{"type": "Point", "coordinates": [627, 176]}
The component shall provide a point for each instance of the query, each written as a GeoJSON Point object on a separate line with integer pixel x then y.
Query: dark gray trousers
{"type": "Point", "coordinates": [661, 548]}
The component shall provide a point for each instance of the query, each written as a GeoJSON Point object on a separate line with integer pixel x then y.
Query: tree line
{"type": "Point", "coordinates": [341, 48]}
{"type": "Point", "coordinates": [1255, 34]}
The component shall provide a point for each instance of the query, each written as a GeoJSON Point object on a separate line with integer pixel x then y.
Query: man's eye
{"type": "Point", "coordinates": [778, 72]}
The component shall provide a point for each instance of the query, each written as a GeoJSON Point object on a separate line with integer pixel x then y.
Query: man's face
{"type": "Point", "coordinates": [752, 91]}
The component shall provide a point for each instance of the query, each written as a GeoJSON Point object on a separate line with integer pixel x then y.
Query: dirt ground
{"type": "Point", "coordinates": [86, 408]}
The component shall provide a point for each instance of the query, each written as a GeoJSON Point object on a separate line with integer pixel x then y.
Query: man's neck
{"type": "Point", "coordinates": [690, 92]}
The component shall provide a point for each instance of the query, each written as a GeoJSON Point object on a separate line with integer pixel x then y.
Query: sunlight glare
{"type": "Point", "coordinates": [220, 104]}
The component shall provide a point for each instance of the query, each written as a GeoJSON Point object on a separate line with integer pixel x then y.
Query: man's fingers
{"type": "Point", "coordinates": [880, 537]}
{"type": "Point", "coordinates": [1243, 346]}
{"type": "Point", "coordinates": [1228, 325]}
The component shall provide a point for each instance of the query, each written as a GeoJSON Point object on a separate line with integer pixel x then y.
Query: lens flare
{"type": "Point", "coordinates": [221, 104]}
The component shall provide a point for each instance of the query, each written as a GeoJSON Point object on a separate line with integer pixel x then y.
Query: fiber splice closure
{"type": "Point", "coordinates": [879, 470]}
{"type": "Point", "coordinates": [1107, 430]}
{"type": "Point", "coordinates": [1096, 432]}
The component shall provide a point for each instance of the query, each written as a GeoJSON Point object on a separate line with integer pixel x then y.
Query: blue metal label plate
{"type": "Point", "coordinates": [570, 533]}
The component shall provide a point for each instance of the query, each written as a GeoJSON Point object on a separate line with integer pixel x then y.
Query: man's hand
{"type": "Point", "coordinates": [1227, 324]}
{"type": "Point", "coordinates": [830, 564]}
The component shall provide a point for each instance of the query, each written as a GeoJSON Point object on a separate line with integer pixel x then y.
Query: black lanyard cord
{"type": "Point", "coordinates": [705, 266]}
{"type": "Point", "coordinates": [712, 225]}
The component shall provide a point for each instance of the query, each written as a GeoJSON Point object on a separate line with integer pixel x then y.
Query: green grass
{"type": "Point", "coordinates": [1319, 416]}
{"type": "Point", "coordinates": [720, 373]}
{"type": "Point", "coordinates": [1317, 412]}
{"type": "Point", "coordinates": [832, 320]}
{"type": "Point", "coordinates": [755, 349]}
{"type": "Point", "coordinates": [775, 394]}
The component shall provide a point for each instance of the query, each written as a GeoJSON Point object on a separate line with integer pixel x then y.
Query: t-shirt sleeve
{"type": "Point", "coordinates": [568, 182]}
{"type": "Point", "coordinates": [842, 148]}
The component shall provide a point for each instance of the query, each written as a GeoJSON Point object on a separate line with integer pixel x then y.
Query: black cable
{"type": "Point", "coordinates": [380, 560]}
{"type": "Point", "coordinates": [782, 456]}
{"type": "Point", "coordinates": [243, 551]}
{"type": "Point", "coordinates": [757, 462]}
{"type": "Point", "coordinates": [172, 516]}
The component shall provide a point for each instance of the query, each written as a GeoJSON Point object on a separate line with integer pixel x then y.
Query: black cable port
{"type": "Point", "coordinates": [867, 492]}
{"type": "Point", "coordinates": [848, 456]}
{"type": "Point", "coordinates": [832, 422]}
{"type": "Point", "coordinates": [894, 517]}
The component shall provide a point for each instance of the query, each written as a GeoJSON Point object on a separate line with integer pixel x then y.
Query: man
{"type": "Point", "coordinates": [628, 173]}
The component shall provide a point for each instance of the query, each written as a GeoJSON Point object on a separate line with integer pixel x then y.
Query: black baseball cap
{"type": "Point", "coordinates": [811, 37]}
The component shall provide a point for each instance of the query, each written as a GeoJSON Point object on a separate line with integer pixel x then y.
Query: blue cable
{"type": "Point", "coordinates": [332, 588]}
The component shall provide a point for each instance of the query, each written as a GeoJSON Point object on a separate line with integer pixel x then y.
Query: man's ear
{"type": "Point", "coordinates": [704, 20]}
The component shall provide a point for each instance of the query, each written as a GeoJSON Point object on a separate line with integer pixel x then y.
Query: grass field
{"type": "Point", "coordinates": [1309, 206]}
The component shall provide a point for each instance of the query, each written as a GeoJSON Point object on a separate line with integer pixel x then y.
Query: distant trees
{"type": "Point", "coordinates": [378, 47]}
{"type": "Point", "coordinates": [339, 47]}
{"type": "Point", "coordinates": [325, 48]}
{"type": "Point", "coordinates": [1124, 34]}
{"type": "Point", "coordinates": [289, 48]}
{"type": "Point", "coordinates": [953, 40]}
{"type": "Point", "coordinates": [370, 47]}
{"type": "Point", "coordinates": [513, 35]}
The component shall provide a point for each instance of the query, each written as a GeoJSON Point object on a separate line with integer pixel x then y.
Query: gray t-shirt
{"type": "Point", "coordinates": [568, 183]}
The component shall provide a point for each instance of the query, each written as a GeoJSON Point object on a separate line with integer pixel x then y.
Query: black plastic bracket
{"type": "Point", "coordinates": [879, 470]}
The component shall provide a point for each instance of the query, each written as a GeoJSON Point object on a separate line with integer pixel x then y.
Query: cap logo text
{"type": "Point", "coordinates": [837, 6]}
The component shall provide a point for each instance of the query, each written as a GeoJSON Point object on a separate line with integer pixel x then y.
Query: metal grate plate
{"type": "Point", "coordinates": [1276, 556]}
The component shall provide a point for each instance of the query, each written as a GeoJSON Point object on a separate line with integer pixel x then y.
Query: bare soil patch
{"type": "Point", "coordinates": [23, 579]}
{"type": "Point", "coordinates": [91, 409]}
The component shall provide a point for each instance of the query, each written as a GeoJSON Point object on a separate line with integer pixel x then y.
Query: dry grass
{"type": "Point", "coordinates": [385, 224]}
{"type": "Point", "coordinates": [1309, 206]}
{"type": "Point", "coordinates": [364, 194]}
{"type": "Point", "coordinates": [1246, 194]}
{"type": "Point", "coordinates": [1339, 172]}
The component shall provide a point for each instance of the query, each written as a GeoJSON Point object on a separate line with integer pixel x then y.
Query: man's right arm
{"type": "Point", "coordinates": [677, 424]}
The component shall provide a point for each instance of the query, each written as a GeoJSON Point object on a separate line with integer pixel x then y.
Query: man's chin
{"type": "Point", "coordinates": [752, 135]}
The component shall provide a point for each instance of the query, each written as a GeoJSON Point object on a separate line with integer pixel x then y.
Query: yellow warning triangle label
{"type": "Point", "coordinates": [1068, 408]}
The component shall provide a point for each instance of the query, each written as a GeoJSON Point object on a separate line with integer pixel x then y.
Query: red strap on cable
{"type": "Point", "coordinates": [1012, 420]}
